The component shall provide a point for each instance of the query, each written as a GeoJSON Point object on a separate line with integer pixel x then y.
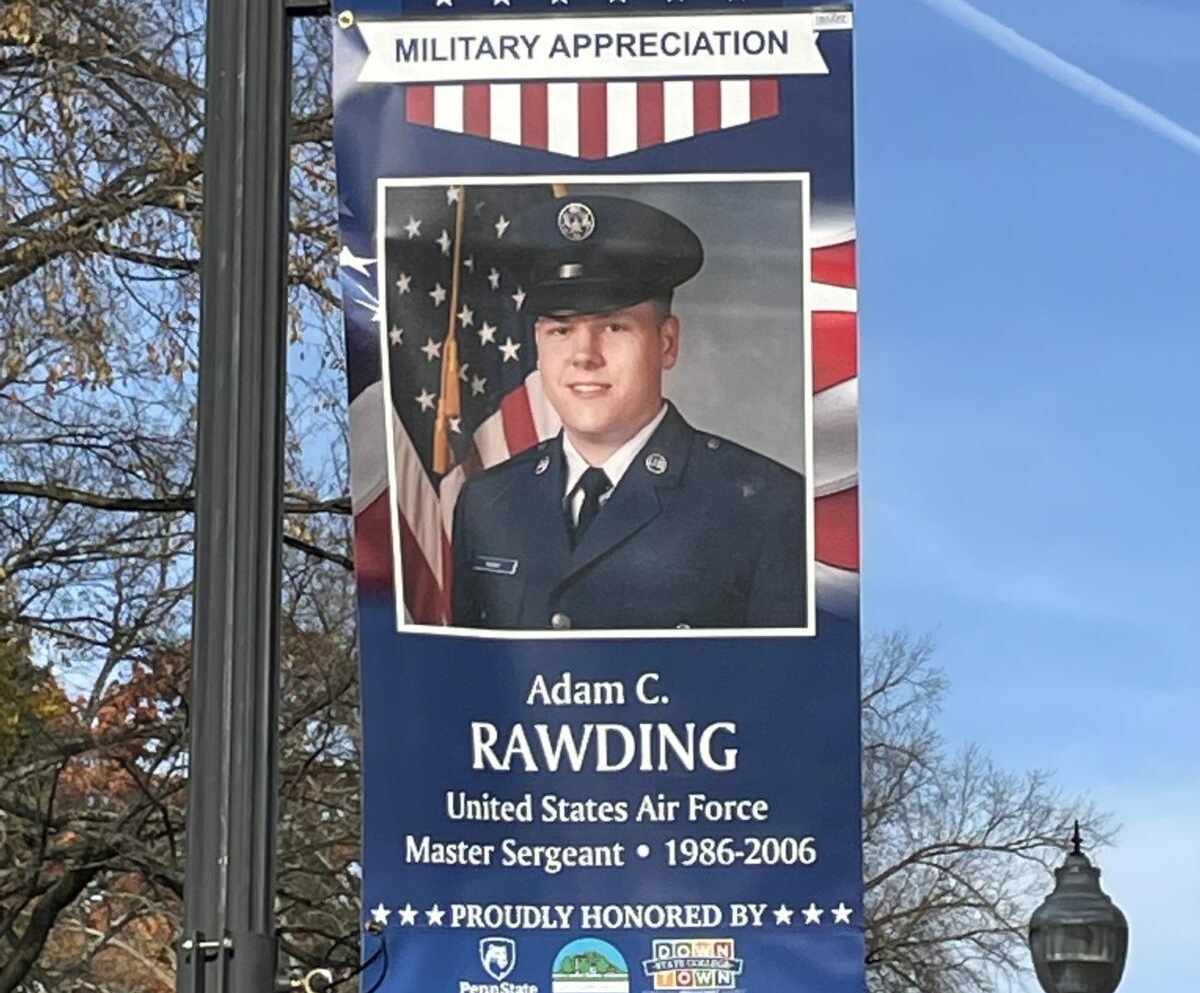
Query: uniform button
{"type": "Point", "coordinates": [683, 627]}
{"type": "Point", "coordinates": [714, 444]}
{"type": "Point", "coordinates": [560, 621]}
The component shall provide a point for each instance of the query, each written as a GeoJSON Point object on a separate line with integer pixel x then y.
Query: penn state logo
{"type": "Point", "coordinates": [576, 222]}
{"type": "Point", "coordinates": [498, 956]}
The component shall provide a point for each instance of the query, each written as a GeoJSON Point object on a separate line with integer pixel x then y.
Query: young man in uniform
{"type": "Point", "coordinates": [630, 517]}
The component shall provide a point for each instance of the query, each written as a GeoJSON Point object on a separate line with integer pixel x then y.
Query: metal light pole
{"type": "Point", "coordinates": [229, 943]}
{"type": "Point", "coordinates": [1078, 936]}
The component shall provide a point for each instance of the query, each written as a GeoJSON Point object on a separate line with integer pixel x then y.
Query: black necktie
{"type": "Point", "coordinates": [594, 485]}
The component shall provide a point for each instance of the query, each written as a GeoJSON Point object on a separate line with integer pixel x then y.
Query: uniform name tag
{"type": "Point", "coordinates": [496, 566]}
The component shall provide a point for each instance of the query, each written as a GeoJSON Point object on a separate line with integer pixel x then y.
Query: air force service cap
{"type": "Point", "coordinates": [595, 254]}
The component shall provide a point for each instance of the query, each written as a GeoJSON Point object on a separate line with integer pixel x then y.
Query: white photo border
{"type": "Point", "coordinates": [804, 179]}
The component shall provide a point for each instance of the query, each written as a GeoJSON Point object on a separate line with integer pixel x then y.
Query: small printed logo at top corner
{"type": "Point", "coordinates": [498, 956]}
{"type": "Point", "coordinates": [827, 20]}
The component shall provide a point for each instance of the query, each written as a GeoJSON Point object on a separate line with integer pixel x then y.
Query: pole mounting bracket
{"type": "Point", "coordinates": [307, 8]}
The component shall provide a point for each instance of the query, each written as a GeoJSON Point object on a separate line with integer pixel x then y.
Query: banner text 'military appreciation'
{"type": "Point", "coordinates": [523, 48]}
{"type": "Point", "coordinates": [602, 44]}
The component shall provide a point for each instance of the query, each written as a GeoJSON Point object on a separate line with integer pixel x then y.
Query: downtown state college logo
{"type": "Point", "coordinates": [698, 965]}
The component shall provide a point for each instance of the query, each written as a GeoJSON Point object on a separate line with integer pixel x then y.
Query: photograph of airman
{"type": "Point", "coordinates": [631, 517]}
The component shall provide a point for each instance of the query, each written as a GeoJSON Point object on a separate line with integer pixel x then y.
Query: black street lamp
{"type": "Point", "coordinates": [1078, 936]}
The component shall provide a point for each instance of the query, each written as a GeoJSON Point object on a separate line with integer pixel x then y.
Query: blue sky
{"type": "Point", "coordinates": [1030, 308]}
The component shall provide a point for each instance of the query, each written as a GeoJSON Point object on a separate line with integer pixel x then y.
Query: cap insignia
{"type": "Point", "coordinates": [576, 222]}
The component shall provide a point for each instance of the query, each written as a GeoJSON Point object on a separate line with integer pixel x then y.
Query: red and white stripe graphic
{"type": "Point", "coordinates": [592, 120]}
{"type": "Point", "coordinates": [524, 418]}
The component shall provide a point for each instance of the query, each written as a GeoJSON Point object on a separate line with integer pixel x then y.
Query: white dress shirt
{"type": "Point", "coordinates": [614, 466]}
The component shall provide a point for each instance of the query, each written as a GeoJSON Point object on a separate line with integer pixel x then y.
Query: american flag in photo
{"type": "Point", "coordinates": [465, 393]}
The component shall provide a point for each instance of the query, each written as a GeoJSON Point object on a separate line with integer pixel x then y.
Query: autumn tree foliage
{"type": "Point", "coordinates": [101, 111]}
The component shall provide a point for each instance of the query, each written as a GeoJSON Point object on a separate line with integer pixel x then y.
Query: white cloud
{"type": "Point", "coordinates": [1066, 73]}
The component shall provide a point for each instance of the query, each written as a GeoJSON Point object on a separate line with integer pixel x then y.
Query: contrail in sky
{"type": "Point", "coordinates": [1067, 73]}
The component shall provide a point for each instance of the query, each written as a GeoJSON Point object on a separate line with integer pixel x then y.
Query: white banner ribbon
{"type": "Point", "coordinates": [548, 48]}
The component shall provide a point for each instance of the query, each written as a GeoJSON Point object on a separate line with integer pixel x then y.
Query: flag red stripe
{"type": "Point", "coordinates": [373, 545]}
{"type": "Point", "coordinates": [477, 109]}
{"type": "Point", "coordinates": [535, 130]}
{"type": "Point", "coordinates": [593, 120]}
{"type": "Point", "coordinates": [706, 105]}
{"type": "Point", "coordinates": [519, 430]}
{"type": "Point", "coordinates": [650, 112]}
{"type": "Point", "coordinates": [835, 348]}
{"type": "Point", "coordinates": [837, 528]}
{"type": "Point", "coordinates": [834, 264]}
{"type": "Point", "coordinates": [764, 98]}
{"type": "Point", "coordinates": [419, 104]}
{"type": "Point", "coordinates": [422, 592]}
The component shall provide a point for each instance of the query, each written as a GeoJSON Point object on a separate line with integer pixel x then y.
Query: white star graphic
{"type": "Point", "coordinates": [456, 425]}
{"type": "Point", "coordinates": [402, 284]}
{"type": "Point", "coordinates": [435, 913]}
{"type": "Point", "coordinates": [445, 241]}
{"type": "Point", "coordinates": [477, 385]}
{"type": "Point", "coordinates": [498, 3]}
{"type": "Point", "coordinates": [377, 309]}
{"type": "Point", "coordinates": [426, 400]}
{"type": "Point", "coordinates": [616, 1]}
{"type": "Point", "coordinates": [519, 297]}
{"type": "Point", "coordinates": [812, 914]}
{"type": "Point", "coordinates": [553, 2]}
{"type": "Point", "coordinates": [413, 227]}
{"type": "Point", "coordinates": [407, 915]}
{"type": "Point", "coordinates": [396, 335]}
{"type": "Point", "coordinates": [494, 279]}
{"type": "Point", "coordinates": [439, 294]}
{"type": "Point", "coordinates": [509, 349]}
{"type": "Point", "coordinates": [444, 3]}
{"type": "Point", "coordinates": [379, 915]}
{"type": "Point", "coordinates": [348, 260]}
{"type": "Point", "coordinates": [466, 316]}
{"type": "Point", "coordinates": [452, 193]}
{"type": "Point", "coordinates": [783, 915]}
{"type": "Point", "coordinates": [462, 371]}
{"type": "Point", "coordinates": [502, 226]}
{"type": "Point", "coordinates": [487, 334]}
{"type": "Point", "coordinates": [469, 264]}
{"type": "Point", "coordinates": [432, 350]}
{"type": "Point", "coordinates": [841, 914]}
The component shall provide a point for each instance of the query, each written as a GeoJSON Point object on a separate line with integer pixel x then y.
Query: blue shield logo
{"type": "Point", "coordinates": [498, 956]}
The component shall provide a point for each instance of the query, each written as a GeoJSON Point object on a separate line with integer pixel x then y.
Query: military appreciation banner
{"type": "Point", "coordinates": [598, 274]}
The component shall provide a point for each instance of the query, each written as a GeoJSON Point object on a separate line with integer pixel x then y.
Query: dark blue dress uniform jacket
{"type": "Point", "coordinates": [717, 539]}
